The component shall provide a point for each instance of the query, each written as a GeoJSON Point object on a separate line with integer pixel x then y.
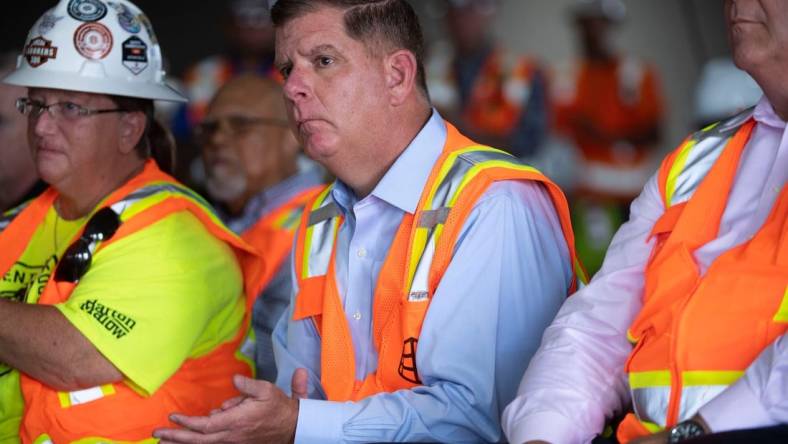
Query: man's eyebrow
{"type": "Point", "coordinates": [322, 49]}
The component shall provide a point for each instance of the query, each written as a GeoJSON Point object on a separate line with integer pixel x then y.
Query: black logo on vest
{"type": "Point", "coordinates": [115, 322]}
{"type": "Point", "coordinates": [407, 362]}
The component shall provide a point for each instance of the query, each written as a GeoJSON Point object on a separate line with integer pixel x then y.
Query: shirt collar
{"type": "Point", "coordinates": [764, 113]}
{"type": "Point", "coordinates": [403, 183]}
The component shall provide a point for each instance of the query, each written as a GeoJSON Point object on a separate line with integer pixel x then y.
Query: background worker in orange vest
{"type": "Point", "coordinates": [18, 179]}
{"type": "Point", "coordinates": [687, 317]}
{"type": "Point", "coordinates": [252, 172]}
{"type": "Point", "coordinates": [425, 274]}
{"type": "Point", "coordinates": [496, 97]}
{"type": "Point", "coordinates": [610, 106]}
{"type": "Point", "coordinates": [123, 295]}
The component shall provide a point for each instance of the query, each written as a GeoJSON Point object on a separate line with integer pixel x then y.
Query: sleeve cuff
{"type": "Point", "coordinates": [319, 422]}
{"type": "Point", "coordinates": [545, 427]}
{"type": "Point", "coordinates": [735, 408]}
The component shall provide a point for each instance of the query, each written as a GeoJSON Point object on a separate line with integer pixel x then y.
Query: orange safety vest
{"type": "Point", "coordinates": [696, 335]}
{"type": "Point", "coordinates": [497, 98]}
{"type": "Point", "coordinates": [117, 412]}
{"type": "Point", "coordinates": [420, 253]}
{"type": "Point", "coordinates": [273, 234]}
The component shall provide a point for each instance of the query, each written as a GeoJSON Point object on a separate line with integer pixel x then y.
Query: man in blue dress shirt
{"type": "Point", "coordinates": [357, 101]}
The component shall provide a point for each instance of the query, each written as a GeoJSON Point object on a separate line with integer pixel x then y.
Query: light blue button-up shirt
{"type": "Point", "coordinates": [508, 277]}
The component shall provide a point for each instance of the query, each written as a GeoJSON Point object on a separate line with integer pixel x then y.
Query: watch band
{"type": "Point", "coordinates": [685, 430]}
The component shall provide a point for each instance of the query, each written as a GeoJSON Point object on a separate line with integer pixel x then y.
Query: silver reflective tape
{"type": "Point", "coordinates": [695, 397]}
{"type": "Point", "coordinates": [150, 190]}
{"type": "Point", "coordinates": [651, 404]}
{"type": "Point", "coordinates": [699, 161]}
{"type": "Point", "coordinates": [450, 183]}
{"type": "Point", "coordinates": [709, 145]}
{"type": "Point", "coordinates": [477, 157]}
{"type": "Point", "coordinates": [420, 278]}
{"type": "Point", "coordinates": [431, 218]}
{"type": "Point", "coordinates": [322, 245]}
{"type": "Point", "coordinates": [329, 210]}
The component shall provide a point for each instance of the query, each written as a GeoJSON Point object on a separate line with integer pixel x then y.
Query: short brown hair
{"type": "Point", "coordinates": [392, 22]}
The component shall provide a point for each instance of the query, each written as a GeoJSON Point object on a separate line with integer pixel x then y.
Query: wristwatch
{"type": "Point", "coordinates": [685, 430]}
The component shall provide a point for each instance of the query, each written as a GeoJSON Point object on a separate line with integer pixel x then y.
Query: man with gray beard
{"type": "Point", "coordinates": [252, 174]}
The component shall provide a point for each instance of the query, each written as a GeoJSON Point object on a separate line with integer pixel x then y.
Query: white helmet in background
{"type": "Point", "coordinates": [94, 46]}
{"type": "Point", "coordinates": [723, 90]}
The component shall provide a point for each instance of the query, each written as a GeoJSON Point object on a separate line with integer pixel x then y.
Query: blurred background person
{"type": "Point", "coordinates": [252, 170]}
{"type": "Point", "coordinates": [494, 96]}
{"type": "Point", "coordinates": [610, 106]}
{"type": "Point", "coordinates": [18, 178]}
{"type": "Point", "coordinates": [249, 40]}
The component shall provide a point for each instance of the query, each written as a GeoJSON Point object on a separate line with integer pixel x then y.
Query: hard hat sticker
{"type": "Point", "coordinates": [126, 19]}
{"type": "Point", "coordinates": [39, 51]}
{"type": "Point", "coordinates": [135, 55]}
{"type": "Point", "coordinates": [48, 21]}
{"type": "Point", "coordinates": [93, 40]}
{"type": "Point", "coordinates": [87, 10]}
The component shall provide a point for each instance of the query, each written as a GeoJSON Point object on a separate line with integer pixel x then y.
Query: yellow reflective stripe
{"type": "Point", "coordinates": [65, 397]}
{"type": "Point", "coordinates": [43, 439]}
{"type": "Point", "coordinates": [721, 377]}
{"type": "Point", "coordinates": [308, 234]}
{"type": "Point", "coordinates": [676, 169]}
{"type": "Point", "coordinates": [144, 203]}
{"type": "Point", "coordinates": [651, 427]}
{"type": "Point", "coordinates": [782, 312]}
{"type": "Point", "coordinates": [631, 338]}
{"type": "Point", "coordinates": [420, 236]}
{"type": "Point", "coordinates": [580, 273]}
{"type": "Point", "coordinates": [99, 440]}
{"type": "Point", "coordinates": [655, 378]}
{"type": "Point", "coordinates": [710, 127]}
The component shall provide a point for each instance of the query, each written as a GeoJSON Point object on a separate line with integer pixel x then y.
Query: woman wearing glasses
{"type": "Point", "coordinates": [123, 297]}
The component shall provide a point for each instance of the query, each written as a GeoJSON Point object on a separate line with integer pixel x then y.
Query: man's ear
{"type": "Point", "coordinates": [401, 70]}
{"type": "Point", "coordinates": [132, 127]}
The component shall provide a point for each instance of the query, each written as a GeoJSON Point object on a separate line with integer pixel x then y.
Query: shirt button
{"type": "Point", "coordinates": [361, 252]}
{"type": "Point", "coordinates": [357, 315]}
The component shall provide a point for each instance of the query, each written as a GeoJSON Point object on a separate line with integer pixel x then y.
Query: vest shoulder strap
{"type": "Point", "coordinates": [685, 168]}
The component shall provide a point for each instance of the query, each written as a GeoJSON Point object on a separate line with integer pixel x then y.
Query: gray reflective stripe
{"type": "Point", "coordinates": [651, 404]}
{"type": "Point", "coordinates": [322, 240]}
{"type": "Point", "coordinates": [702, 156]}
{"type": "Point", "coordinates": [431, 218]}
{"type": "Point", "coordinates": [9, 216]}
{"type": "Point", "coordinates": [696, 396]}
{"type": "Point", "coordinates": [137, 195]}
{"type": "Point", "coordinates": [439, 211]}
{"type": "Point", "coordinates": [699, 161]}
{"type": "Point", "coordinates": [329, 210]}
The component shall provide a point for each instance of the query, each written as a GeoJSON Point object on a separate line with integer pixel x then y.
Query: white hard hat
{"type": "Point", "coordinates": [723, 90]}
{"type": "Point", "coordinates": [96, 47]}
{"type": "Point", "coordinates": [613, 10]}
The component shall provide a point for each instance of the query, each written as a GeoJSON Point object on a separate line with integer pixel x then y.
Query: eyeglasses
{"type": "Point", "coordinates": [235, 125]}
{"type": "Point", "coordinates": [65, 110]}
{"type": "Point", "coordinates": [77, 258]}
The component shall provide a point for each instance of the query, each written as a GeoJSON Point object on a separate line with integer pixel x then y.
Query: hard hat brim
{"type": "Point", "coordinates": [74, 82]}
